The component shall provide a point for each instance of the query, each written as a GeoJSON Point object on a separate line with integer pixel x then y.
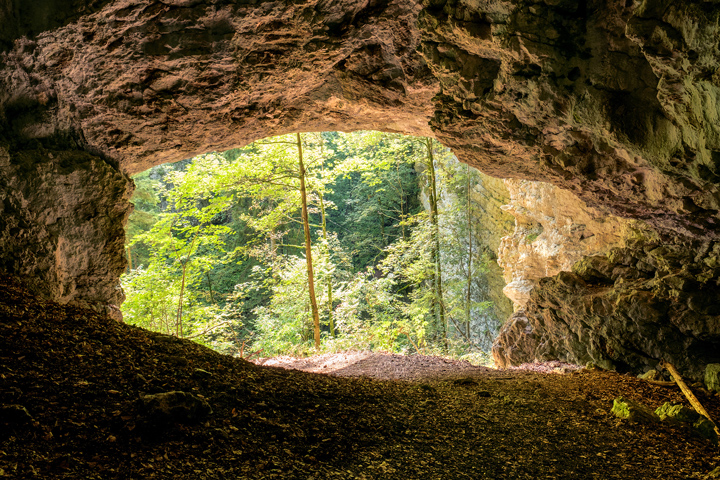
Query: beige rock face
{"type": "Point", "coordinates": [494, 223]}
{"type": "Point", "coordinates": [553, 230]}
{"type": "Point", "coordinates": [61, 225]}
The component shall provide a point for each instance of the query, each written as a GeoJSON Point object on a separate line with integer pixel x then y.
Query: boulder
{"type": "Point", "coordinates": [13, 418]}
{"type": "Point", "coordinates": [682, 414]}
{"type": "Point", "coordinates": [649, 375]}
{"type": "Point", "coordinates": [14, 415]}
{"type": "Point", "coordinates": [712, 377]}
{"type": "Point", "coordinates": [634, 411]}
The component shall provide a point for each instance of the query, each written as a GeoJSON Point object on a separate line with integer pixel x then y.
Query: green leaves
{"type": "Point", "coordinates": [213, 217]}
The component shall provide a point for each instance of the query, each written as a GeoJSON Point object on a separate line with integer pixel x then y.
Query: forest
{"type": "Point", "coordinates": [308, 243]}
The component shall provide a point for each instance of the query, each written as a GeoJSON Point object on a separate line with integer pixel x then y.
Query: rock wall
{"type": "Point", "coordinates": [625, 310]}
{"type": "Point", "coordinates": [493, 223]}
{"type": "Point", "coordinates": [61, 225]}
{"type": "Point", "coordinates": [553, 230]}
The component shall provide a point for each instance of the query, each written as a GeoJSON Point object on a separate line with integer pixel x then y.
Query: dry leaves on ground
{"type": "Point", "coordinates": [80, 376]}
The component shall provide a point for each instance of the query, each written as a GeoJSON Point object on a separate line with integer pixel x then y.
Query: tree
{"type": "Point", "coordinates": [242, 239]}
{"type": "Point", "coordinates": [308, 245]}
{"type": "Point", "coordinates": [439, 302]}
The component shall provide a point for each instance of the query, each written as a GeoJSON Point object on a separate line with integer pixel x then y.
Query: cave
{"type": "Point", "coordinates": [614, 103]}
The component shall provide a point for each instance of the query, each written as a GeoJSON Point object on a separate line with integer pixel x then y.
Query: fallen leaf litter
{"type": "Point", "coordinates": [81, 378]}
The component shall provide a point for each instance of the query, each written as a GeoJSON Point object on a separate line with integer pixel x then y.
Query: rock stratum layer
{"type": "Point", "coordinates": [615, 101]}
{"type": "Point", "coordinates": [553, 230]}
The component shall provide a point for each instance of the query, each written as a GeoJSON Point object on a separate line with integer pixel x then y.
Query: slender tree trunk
{"type": "Point", "coordinates": [178, 320]}
{"type": "Point", "coordinates": [440, 304]}
{"type": "Point", "coordinates": [129, 259]}
{"type": "Point", "coordinates": [402, 199]}
{"type": "Point", "coordinates": [212, 298]}
{"type": "Point", "coordinates": [331, 320]}
{"type": "Point", "coordinates": [308, 246]}
{"type": "Point", "coordinates": [382, 229]}
{"type": "Point", "coordinates": [470, 253]}
{"type": "Point", "coordinates": [273, 240]}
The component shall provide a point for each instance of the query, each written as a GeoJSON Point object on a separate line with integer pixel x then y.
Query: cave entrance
{"type": "Point", "coordinates": [400, 259]}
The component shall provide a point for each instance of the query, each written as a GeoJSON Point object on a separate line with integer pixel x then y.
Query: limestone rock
{"type": "Point", "coordinates": [626, 309]}
{"type": "Point", "coordinates": [712, 377]}
{"type": "Point", "coordinates": [682, 414]}
{"type": "Point", "coordinates": [490, 194]}
{"type": "Point", "coordinates": [61, 225]}
{"type": "Point", "coordinates": [553, 230]}
{"type": "Point", "coordinates": [649, 375]}
{"type": "Point", "coordinates": [517, 342]}
{"type": "Point", "coordinates": [175, 407]}
{"type": "Point", "coordinates": [630, 410]}
{"type": "Point", "coordinates": [677, 413]}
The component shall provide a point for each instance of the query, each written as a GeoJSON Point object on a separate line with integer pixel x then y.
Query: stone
{"type": "Point", "coordinates": [706, 429]}
{"type": "Point", "coordinates": [682, 414]}
{"type": "Point", "coordinates": [175, 406]}
{"type": "Point", "coordinates": [677, 413]}
{"type": "Point", "coordinates": [634, 411]}
{"type": "Point", "coordinates": [199, 373]}
{"type": "Point", "coordinates": [15, 415]}
{"type": "Point", "coordinates": [649, 375]}
{"type": "Point", "coordinates": [712, 377]}
{"type": "Point", "coordinates": [516, 342]}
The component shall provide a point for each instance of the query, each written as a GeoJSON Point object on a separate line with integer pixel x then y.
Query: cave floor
{"type": "Point", "coordinates": [80, 376]}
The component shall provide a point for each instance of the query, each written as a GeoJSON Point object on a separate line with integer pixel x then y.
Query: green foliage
{"type": "Point", "coordinates": [228, 224]}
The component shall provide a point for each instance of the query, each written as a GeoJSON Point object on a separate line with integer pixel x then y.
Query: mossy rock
{"type": "Point", "coordinates": [706, 429]}
{"type": "Point", "coordinates": [649, 375]}
{"type": "Point", "coordinates": [633, 411]}
{"type": "Point", "coordinates": [682, 414]}
{"type": "Point", "coordinates": [712, 377]}
{"type": "Point", "coordinates": [677, 413]}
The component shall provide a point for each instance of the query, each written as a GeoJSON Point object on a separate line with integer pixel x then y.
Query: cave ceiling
{"type": "Point", "coordinates": [617, 101]}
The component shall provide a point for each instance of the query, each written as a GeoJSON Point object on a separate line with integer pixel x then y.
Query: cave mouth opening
{"type": "Point", "coordinates": [216, 249]}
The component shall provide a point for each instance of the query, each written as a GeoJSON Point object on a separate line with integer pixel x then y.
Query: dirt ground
{"type": "Point", "coordinates": [390, 366]}
{"type": "Point", "coordinates": [82, 377]}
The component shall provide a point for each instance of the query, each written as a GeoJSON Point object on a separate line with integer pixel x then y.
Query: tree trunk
{"type": "Point", "coordinates": [129, 255]}
{"type": "Point", "coordinates": [470, 252]}
{"type": "Point", "coordinates": [440, 304]}
{"type": "Point", "coordinates": [212, 298]}
{"type": "Point", "coordinates": [178, 320]}
{"type": "Point", "coordinates": [308, 246]}
{"type": "Point", "coordinates": [402, 198]}
{"type": "Point", "coordinates": [331, 321]}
